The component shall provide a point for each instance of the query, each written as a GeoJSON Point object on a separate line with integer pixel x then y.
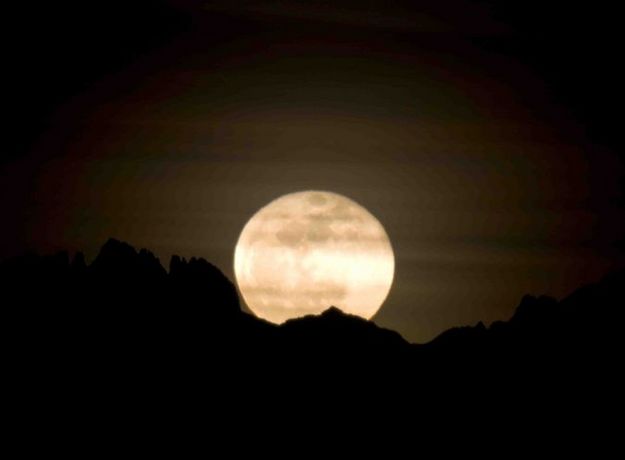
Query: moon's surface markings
{"type": "Point", "coordinates": [306, 251]}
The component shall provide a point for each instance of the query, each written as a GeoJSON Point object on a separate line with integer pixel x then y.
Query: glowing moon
{"type": "Point", "coordinates": [307, 251]}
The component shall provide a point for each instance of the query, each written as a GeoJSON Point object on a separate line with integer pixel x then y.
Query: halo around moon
{"type": "Point", "coordinates": [307, 251]}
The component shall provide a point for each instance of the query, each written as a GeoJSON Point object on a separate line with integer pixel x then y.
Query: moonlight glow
{"type": "Point", "coordinates": [307, 251]}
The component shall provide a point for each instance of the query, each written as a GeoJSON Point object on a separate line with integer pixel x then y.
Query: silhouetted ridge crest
{"type": "Point", "coordinates": [122, 291]}
{"type": "Point", "coordinates": [534, 310]}
{"type": "Point", "coordinates": [121, 261]}
{"type": "Point", "coordinates": [334, 312]}
{"type": "Point", "coordinates": [125, 308]}
{"type": "Point", "coordinates": [198, 279]}
{"type": "Point", "coordinates": [334, 330]}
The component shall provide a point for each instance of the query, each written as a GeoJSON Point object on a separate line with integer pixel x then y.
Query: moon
{"type": "Point", "coordinates": [309, 250]}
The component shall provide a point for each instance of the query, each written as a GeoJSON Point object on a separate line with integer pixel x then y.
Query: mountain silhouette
{"type": "Point", "coordinates": [132, 332]}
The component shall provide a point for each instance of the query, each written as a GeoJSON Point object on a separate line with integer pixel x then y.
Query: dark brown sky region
{"type": "Point", "coordinates": [484, 135]}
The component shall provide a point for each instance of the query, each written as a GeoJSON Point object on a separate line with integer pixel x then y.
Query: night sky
{"type": "Point", "coordinates": [485, 136]}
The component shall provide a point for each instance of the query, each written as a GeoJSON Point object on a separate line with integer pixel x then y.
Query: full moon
{"type": "Point", "coordinates": [307, 251]}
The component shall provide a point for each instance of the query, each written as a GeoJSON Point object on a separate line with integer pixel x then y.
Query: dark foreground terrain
{"type": "Point", "coordinates": [124, 336]}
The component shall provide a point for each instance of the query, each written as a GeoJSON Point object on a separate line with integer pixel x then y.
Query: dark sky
{"type": "Point", "coordinates": [484, 135]}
